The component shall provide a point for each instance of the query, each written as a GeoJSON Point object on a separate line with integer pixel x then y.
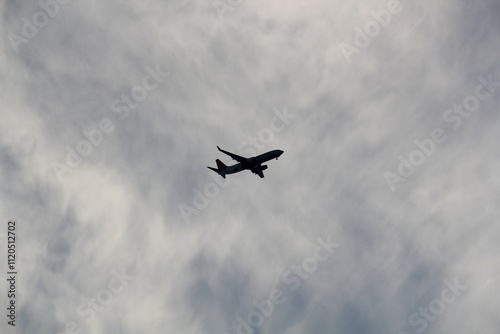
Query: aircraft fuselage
{"type": "Point", "coordinates": [254, 162]}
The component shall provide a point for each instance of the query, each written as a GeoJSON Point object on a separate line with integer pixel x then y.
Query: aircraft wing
{"type": "Point", "coordinates": [234, 156]}
{"type": "Point", "coordinates": [259, 170]}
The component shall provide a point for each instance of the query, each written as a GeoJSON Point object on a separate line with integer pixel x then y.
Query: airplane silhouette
{"type": "Point", "coordinates": [254, 164]}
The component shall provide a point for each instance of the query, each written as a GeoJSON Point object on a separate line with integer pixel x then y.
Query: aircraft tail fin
{"type": "Point", "coordinates": [220, 164]}
{"type": "Point", "coordinates": [218, 170]}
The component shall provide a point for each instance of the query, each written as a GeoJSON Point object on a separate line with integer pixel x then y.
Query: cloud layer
{"type": "Point", "coordinates": [111, 112]}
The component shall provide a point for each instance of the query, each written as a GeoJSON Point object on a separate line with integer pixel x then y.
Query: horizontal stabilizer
{"type": "Point", "coordinates": [217, 171]}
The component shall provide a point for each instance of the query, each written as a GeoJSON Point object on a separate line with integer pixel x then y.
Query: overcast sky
{"type": "Point", "coordinates": [380, 217]}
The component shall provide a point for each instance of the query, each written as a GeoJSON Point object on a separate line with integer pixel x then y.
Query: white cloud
{"type": "Point", "coordinates": [119, 209]}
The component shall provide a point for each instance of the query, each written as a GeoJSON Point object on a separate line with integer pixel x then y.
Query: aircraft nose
{"type": "Point", "coordinates": [281, 152]}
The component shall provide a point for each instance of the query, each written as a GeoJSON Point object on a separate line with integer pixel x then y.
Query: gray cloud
{"type": "Point", "coordinates": [118, 210]}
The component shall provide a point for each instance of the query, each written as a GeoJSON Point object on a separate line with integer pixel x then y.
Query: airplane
{"type": "Point", "coordinates": [254, 164]}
